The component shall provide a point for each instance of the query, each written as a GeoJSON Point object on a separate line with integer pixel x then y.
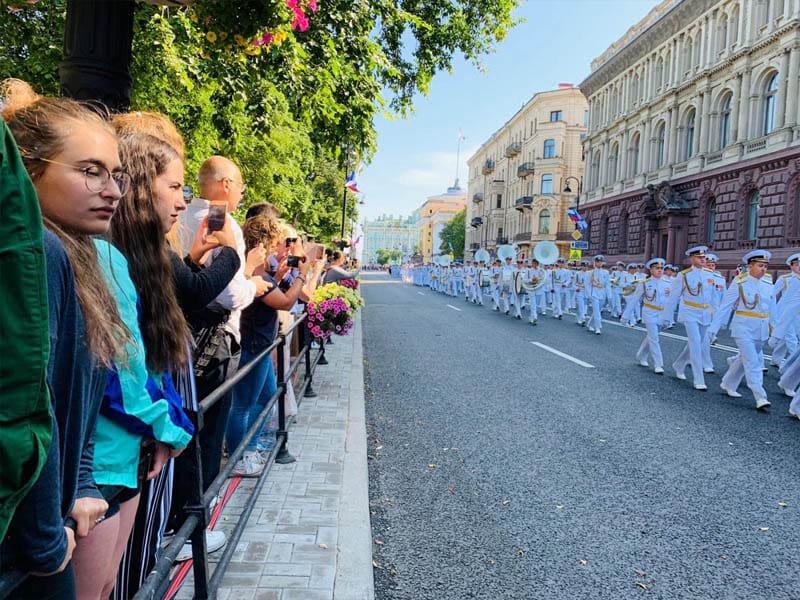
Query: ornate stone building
{"type": "Point", "coordinates": [694, 133]}
{"type": "Point", "coordinates": [517, 177]}
{"type": "Point", "coordinates": [434, 214]}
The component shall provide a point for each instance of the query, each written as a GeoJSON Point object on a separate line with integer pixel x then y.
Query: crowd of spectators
{"type": "Point", "coordinates": [126, 300]}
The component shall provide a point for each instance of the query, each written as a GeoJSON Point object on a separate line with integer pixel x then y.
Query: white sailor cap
{"type": "Point", "coordinates": [712, 257]}
{"type": "Point", "coordinates": [656, 261]}
{"type": "Point", "coordinates": [599, 258]}
{"type": "Point", "coordinates": [620, 263]}
{"type": "Point", "coordinates": [631, 265]}
{"type": "Point", "coordinates": [584, 263]}
{"type": "Point", "coordinates": [520, 259]}
{"type": "Point", "coordinates": [561, 259]}
{"type": "Point", "coordinates": [793, 258]}
{"type": "Point", "coordinates": [757, 256]}
{"type": "Point", "coordinates": [670, 266]}
{"type": "Point", "coordinates": [697, 251]}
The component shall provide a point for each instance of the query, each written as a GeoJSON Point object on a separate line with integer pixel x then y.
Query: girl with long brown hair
{"type": "Point", "coordinates": [72, 157]}
{"type": "Point", "coordinates": [141, 403]}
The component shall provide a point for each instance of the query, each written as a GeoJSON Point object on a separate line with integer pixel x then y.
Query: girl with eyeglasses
{"type": "Point", "coordinates": [72, 157]}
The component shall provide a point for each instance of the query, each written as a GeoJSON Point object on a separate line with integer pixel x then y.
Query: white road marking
{"type": "Point", "coordinates": [577, 361]}
{"type": "Point", "coordinates": [420, 293]}
{"type": "Point", "coordinates": [453, 307]}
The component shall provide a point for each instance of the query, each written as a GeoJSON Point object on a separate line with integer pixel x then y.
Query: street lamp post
{"type": "Point", "coordinates": [568, 190]}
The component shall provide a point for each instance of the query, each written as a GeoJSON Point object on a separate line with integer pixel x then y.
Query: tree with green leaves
{"type": "Point", "coordinates": [387, 256]}
{"type": "Point", "coordinates": [286, 90]}
{"type": "Point", "coordinates": [453, 235]}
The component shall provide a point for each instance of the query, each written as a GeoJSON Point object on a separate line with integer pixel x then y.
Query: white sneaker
{"type": "Point", "coordinates": [709, 371]}
{"type": "Point", "coordinates": [215, 540]}
{"type": "Point", "coordinates": [248, 466]}
{"type": "Point", "coordinates": [700, 387]}
{"type": "Point", "coordinates": [644, 363]}
{"type": "Point", "coordinates": [730, 392]}
{"type": "Point", "coordinates": [659, 370]}
{"type": "Point", "coordinates": [680, 375]}
{"type": "Point", "coordinates": [762, 403]}
{"type": "Point", "coordinates": [787, 391]}
{"type": "Point", "coordinates": [597, 332]}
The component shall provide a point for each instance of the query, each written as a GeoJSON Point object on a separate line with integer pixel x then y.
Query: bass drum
{"type": "Point", "coordinates": [485, 279]}
{"type": "Point", "coordinates": [519, 286]}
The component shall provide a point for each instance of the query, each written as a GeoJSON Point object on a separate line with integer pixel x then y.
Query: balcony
{"type": "Point", "coordinates": [501, 240]}
{"type": "Point", "coordinates": [525, 236]}
{"type": "Point", "coordinates": [476, 221]}
{"type": "Point", "coordinates": [474, 246]}
{"type": "Point", "coordinates": [525, 169]}
{"type": "Point", "coordinates": [476, 198]}
{"type": "Point", "coordinates": [524, 202]}
{"type": "Point", "coordinates": [488, 167]}
{"type": "Point", "coordinates": [513, 149]}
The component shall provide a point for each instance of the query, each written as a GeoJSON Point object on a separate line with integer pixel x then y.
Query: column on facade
{"type": "Point", "coordinates": [623, 97]}
{"type": "Point", "coordinates": [744, 107]}
{"type": "Point", "coordinates": [704, 36]}
{"type": "Point", "coordinates": [748, 20]}
{"type": "Point", "coordinates": [714, 22]}
{"type": "Point", "coordinates": [792, 91]}
{"type": "Point", "coordinates": [780, 113]}
{"type": "Point", "coordinates": [622, 161]}
{"type": "Point", "coordinates": [736, 101]}
{"type": "Point", "coordinates": [705, 121]}
{"type": "Point", "coordinates": [644, 146]}
{"type": "Point", "coordinates": [672, 135]}
{"type": "Point", "coordinates": [601, 170]}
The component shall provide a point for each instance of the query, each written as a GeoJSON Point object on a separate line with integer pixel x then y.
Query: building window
{"type": "Point", "coordinates": [753, 204]}
{"type": "Point", "coordinates": [687, 54]}
{"type": "Point", "coordinates": [595, 172]}
{"type": "Point", "coordinates": [586, 118]}
{"type": "Point", "coordinates": [659, 72]}
{"type": "Point", "coordinates": [544, 222]}
{"type": "Point", "coordinates": [661, 140]}
{"type": "Point", "coordinates": [547, 184]}
{"type": "Point", "coordinates": [725, 122]}
{"type": "Point", "coordinates": [634, 166]}
{"type": "Point", "coordinates": [623, 232]}
{"type": "Point", "coordinates": [712, 220]}
{"type": "Point", "coordinates": [722, 34]}
{"type": "Point", "coordinates": [667, 65]}
{"type": "Point", "coordinates": [635, 90]}
{"type": "Point", "coordinates": [499, 201]}
{"type": "Point", "coordinates": [734, 25]}
{"type": "Point", "coordinates": [555, 115]}
{"type": "Point", "coordinates": [613, 160]}
{"type": "Point", "coordinates": [689, 147]}
{"type": "Point", "coordinates": [549, 149]}
{"type": "Point", "coordinates": [770, 99]}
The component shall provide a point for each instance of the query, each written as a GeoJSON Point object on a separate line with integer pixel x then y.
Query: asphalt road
{"type": "Point", "coordinates": [499, 469]}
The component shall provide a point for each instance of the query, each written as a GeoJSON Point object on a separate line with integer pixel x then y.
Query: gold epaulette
{"type": "Point", "coordinates": [686, 270]}
{"type": "Point", "coordinates": [742, 277]}
{"type": "Point", "coordinates": [709, 270]}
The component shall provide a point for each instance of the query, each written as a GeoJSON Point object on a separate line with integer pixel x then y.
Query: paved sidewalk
{"type": "Point", "coordinates": [309, 537]}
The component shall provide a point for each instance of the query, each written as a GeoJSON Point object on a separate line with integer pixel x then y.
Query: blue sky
{"type": "Point", "coordinates": [416, 157]}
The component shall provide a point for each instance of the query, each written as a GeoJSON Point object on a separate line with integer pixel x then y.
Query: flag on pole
{"type": "Point", "coordinates": [351, 183]}
{"type": "Point", "coordinates": [461, 136]}
{"type": "Point", "coordinates": [578, 219]}
{"type": "Point", "coordinates": [353, 244]}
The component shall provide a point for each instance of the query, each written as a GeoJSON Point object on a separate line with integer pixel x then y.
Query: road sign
{"type": "Point", "coordinates": [579, 245]}
{"type": "Point", "coordinates": [575, 254]}
{"type": "Point", "coordinates": [576, 235]}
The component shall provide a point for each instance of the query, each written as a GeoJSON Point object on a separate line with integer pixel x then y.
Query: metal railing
{"type": "Point", "coordinates": [197, 509]}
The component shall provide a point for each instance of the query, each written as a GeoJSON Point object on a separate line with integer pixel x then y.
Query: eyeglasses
{"type": "Point", "coordinates": [96, 177]}
{"type": "Point", "coordinates": [290, 241]}
{"type": "Point", "coordinates": [242, 185]}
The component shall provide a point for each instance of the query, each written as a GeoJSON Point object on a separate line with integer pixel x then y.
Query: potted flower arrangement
{"type": "Point", "coordinates": [331, 310]}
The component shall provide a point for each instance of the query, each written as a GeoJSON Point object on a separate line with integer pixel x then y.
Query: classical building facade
{"type": "Point", "coordinates": [517, 177]}
{"type": "Point", "coordinates": [693, 133]}
{"type": "Point", "coordinates": [391, 233]}
{"type": "Point", "coordinates": [434, 214]}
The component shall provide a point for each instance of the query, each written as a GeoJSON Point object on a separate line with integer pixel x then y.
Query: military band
{"type": "Point", "coordinates": [757, 312]}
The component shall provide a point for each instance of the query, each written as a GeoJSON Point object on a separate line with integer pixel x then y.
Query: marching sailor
{"type": "Point", "coordinates": [563, 285]}
{"type": "Point", "coordinates": [517, 276]}
{"type": "Point", "coordinates": [692, 291]}
{"type": "Point", "coordinates": [789, 311]}
{"type": "Point", "coordinates": [496, 273]}
{"type": "Point", "coordinates": [616, 288]}
{"type": "Point", "coordinates": [628, 281]}
{"type": "Point", "coordinates": [788, 343]}
{"type": "Point", "coordinates": [483, 276]}
{"type": "Point", "coordinates": [598, 284]}
{"type": "Point", "coordinates": [506, 282]}
{"type": "Point", "coordinates": [719, 293]}
{"type": "Point", "coordinates": [580, 293]}
{"type": "Point", "coordinates": [538, 302]}
{"type": "Point", "coordinates": [458, 280]}
{"type": "Point", "coordinates": [751, 299]}
{"type": "Point", "coordinates": [654, 292]}
{"type": "Point", "coordinates": [559, 288]}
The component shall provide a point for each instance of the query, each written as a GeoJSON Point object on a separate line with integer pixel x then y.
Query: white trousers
{"type": "Point", "coordinates": [693, 351]}
{"type": "Point", "coordinates": [748, 365]}
{"type": "Point", "coordinates": [580, 306]}
{"type": "Point", "coordinates": [651, 346]}
{"type": "Point", "coordinates": [596, 321]}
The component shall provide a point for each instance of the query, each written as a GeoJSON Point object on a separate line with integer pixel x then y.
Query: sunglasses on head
{"type": "Point", "coordinates": [290, 241]}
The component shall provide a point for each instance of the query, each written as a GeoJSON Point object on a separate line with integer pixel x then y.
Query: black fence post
{"type": "Point", "coordinates": [195, 506]}
{"type": "Point", "coordinates": [283, 457]}
{"type": "Point", "coordinates": [322, 360]}
{"type": "Point", "coordinates": [309, 393]}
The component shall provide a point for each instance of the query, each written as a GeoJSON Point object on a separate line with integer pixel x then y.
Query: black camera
{"type": "Point", "coordinates": [294, 261]}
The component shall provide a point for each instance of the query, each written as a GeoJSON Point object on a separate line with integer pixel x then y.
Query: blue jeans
{"type": "Point", "coordinates": [250, 396]}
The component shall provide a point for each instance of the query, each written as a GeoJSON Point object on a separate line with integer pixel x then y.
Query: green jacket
{"type": "Point", "coordinates": [26, 425]}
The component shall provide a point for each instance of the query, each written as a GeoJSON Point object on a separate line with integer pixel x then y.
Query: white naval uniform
{"type": "Point", "coordinates": [616, 292]}
{"type": "Point", "coordinates": [598, 287]}
{"type": "Point", "coordinates": [563, 282]}
{"type": "Point", "coordinates": [496, 284]}
{"type": "Point", "coordinates": [654, 294]}
{"type": "Point", "coordinates": [753, 305]}
{"type": "Point", "coordinates": [538, 301]}
{"type": "Point", "coordinates": [580, 297]}
{"type": "Point", "coordinates": [719, 294]}
{"type": "Point", "coordinates": [507, 285]}
{"type": "Point", "coordinates": [789, 318]}
{"type": "Point", "coordinates": [787, 286]}
{"type": "Point", "coordinates": [692, 290]}
{"type": "Point", "coordinates": [485, 273]}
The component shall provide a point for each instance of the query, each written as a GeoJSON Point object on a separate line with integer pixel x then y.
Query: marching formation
{"type": "Point", "coordinates": [756, 310]}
